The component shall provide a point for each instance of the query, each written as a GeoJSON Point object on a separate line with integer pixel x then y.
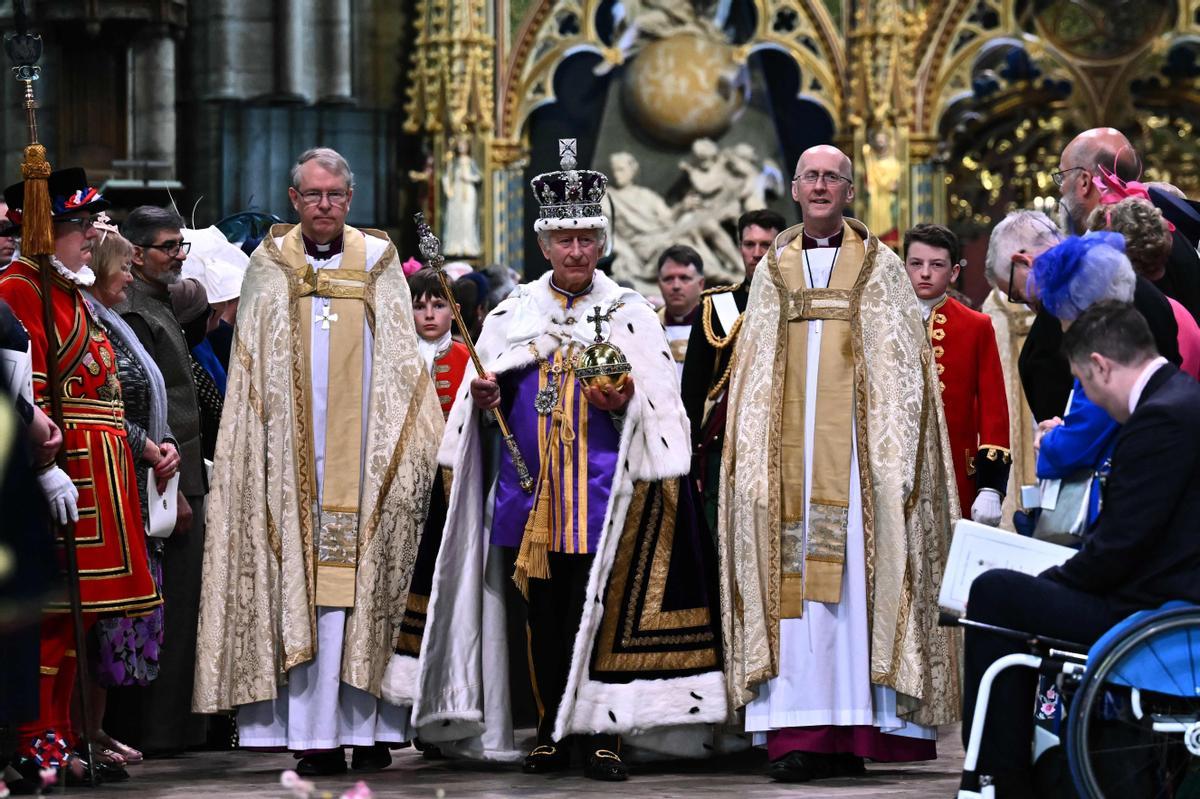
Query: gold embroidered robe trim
{"type": "Point", "coordinates": [812, 565]}
{"type": "Point", "coordinates": [257, 614]}
{"type": "Point", "coordinates": [344, 289]}
{"type": "Point", "coordinates": [907, 485]}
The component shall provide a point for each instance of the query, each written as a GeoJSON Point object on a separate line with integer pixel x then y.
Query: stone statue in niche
{"type": "Point", "coordinates": [460, 187]}
{"type": "Point", "coordinates": [882, 169]}
{"type": "Point", "coordinates": [721, 184]}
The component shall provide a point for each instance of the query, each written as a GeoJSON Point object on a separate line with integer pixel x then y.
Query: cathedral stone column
{"type": "Point", "coordinates": [297, 42]}
{"type": "Point", "coordinates": [152, 100]}
{"type": "Point", "coordinates": [333, 19]}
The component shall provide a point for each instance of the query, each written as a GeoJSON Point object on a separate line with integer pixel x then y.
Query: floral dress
{"type": "Point", "coordinates": [127, 650]}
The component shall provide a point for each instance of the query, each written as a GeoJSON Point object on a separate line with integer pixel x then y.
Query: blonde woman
{"type": "Point", "coordinates": [125, 651]}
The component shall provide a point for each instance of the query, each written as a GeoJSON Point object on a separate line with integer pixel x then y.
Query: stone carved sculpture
{"type": "Point", "coordinates": [460, 186]}
{"type": "Point", "coordinates": [721, 185]}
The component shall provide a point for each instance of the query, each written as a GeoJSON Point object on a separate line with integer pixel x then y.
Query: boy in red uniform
{"type": "Point", "coordinates": [969, 371]}
{"type": "Point", "coordinates": [446, 358]}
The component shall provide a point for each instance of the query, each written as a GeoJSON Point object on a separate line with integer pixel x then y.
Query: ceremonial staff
{"type": "Point", "coordinates": [37, 244]}
{"type": "Point", "coordinates": [431, 248]}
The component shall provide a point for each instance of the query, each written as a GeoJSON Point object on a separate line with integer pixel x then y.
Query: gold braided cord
{"type": "Point", "coordinates": [713, 338]}
{"type": "Point", "coordinates": [719, 343]}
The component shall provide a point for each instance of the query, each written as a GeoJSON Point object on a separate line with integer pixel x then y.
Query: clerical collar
{"type": "Point", "coordinates": [322, 252]}
{"type": "Point", "coordinates": [688, 318]}
{"type": "Point", "coordinates": [812, 243]}
{"type": "Point", "coordinates": [569, 297]}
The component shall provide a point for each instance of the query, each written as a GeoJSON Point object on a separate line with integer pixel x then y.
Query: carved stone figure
{"type": "Point", "coordinates": [460, 231]}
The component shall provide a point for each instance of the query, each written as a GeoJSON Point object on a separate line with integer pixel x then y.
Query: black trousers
{"type": "Point", "coordinates": [1030, 604]}
{"type": "Point", "coordinates": [555, 610]}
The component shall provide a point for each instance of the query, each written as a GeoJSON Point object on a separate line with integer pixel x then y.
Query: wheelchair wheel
{"type": "Point", "coordinates": [1134, 722]}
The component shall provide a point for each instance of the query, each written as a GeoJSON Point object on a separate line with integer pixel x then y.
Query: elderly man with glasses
{"type": "Point", "coordinates": [323, 475]}
{"type": "Point", "coordinates": [157, 718]}
{"type": "Point", "coordinates": [835, 475]}
{"type": "Point", "coordinates": [96, 493]}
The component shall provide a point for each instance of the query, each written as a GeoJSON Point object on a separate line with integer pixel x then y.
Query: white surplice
{"type": "Point", "coordinates": [316, 710]}
{"type": "Point", "coordinates": [824, 657]}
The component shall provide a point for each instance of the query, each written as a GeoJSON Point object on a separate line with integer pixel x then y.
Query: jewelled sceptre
{"type": "Point", "coordinates": [431, 248]}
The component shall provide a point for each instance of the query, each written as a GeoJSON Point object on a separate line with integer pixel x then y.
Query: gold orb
{"type": "Point", "coordinates": [602, 364]}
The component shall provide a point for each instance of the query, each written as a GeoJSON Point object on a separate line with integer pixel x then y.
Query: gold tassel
{"type": "Point", "coordinates": [37, 230]}
{"type": "Point", "coordinates": [533, 560]}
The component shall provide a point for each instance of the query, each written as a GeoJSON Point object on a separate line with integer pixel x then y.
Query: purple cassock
{"type": "Point", "coordinates": [582, 466]}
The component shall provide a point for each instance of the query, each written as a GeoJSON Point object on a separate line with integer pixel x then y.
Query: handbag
{"type": "Point", "coordinates": [1065, 508]}
{"type": "Point", "coordinates": [162, 509]}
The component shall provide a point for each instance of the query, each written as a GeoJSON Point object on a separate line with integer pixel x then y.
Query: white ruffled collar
{"type": "Point", "coordinates": [430, 351]}
{"type": "Point", "coordinates": [84, 278]}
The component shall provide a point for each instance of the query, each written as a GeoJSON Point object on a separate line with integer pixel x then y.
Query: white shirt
{"type": "Point", "coordinates": [1140, 384]}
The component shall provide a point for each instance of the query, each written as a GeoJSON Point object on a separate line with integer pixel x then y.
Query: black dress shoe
{"type": "Point", "coordinates": [545, 759]}
{"type": "Point", "coordinates": [428, 751]}
{"type": "Point", "coordinates": [371, 758]}
{"type": "Point", "coordinates": [322, 764]}
{"type": "Point", "coordinates": [606, 766]}
{"type": "Point", "coordinates": [29, 781]}
{"type": "Point", "coordinates": [848, 765]}
{"type": "Point", "coordinates": [803, 767]}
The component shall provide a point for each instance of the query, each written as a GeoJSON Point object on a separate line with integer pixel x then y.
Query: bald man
{"type": "Point", "coordinates": [836, 500]}
{"type": "Point", "coordinates": [1078, 172]}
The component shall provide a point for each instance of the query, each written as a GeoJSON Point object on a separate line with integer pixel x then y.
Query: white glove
{"type": "Point", "coordinates": [60, 493]}
{"type": "Point", "coordinates": [986, 508]}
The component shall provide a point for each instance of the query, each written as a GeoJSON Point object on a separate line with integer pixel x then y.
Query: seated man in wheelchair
{"type": "Point", "coordinates": [1142, 550]}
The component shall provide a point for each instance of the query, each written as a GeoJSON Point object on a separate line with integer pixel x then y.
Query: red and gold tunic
{"type": "Point", "coordinates": [114, 574]}
{"type": "Point", "coordinates": [976, 407]}
{"type": "Point", "coordinates": [448, 373]}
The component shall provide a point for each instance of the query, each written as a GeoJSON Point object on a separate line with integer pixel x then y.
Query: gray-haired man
{"type": "Point", "coordinates": [159, 718]}
{"type": "Point", "coordinates": [323, 468]}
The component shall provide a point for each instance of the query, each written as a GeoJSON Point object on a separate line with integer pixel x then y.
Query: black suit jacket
{"type": "Point", "coordinates": [1181, 282]}
{"type": "Point", "coordinates": [1046, 375]}
{"type": "Point", "coordinates": [703, 365]}
{"type": "Point", "coordinates": [1144, 548]}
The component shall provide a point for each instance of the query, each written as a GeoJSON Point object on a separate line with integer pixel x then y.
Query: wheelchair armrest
{"type": "Point", "coordinates": [1035, 642]}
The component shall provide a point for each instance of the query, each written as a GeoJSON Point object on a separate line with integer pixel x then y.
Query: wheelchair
{"type": "Point", "coordinates": [1131, 706]}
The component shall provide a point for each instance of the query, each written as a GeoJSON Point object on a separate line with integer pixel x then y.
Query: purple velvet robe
{"type": "Point", "coordinates": [582, 470]}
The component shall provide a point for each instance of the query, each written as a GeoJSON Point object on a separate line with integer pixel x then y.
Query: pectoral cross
{"type": "Point", "coordinates": [325, 317]}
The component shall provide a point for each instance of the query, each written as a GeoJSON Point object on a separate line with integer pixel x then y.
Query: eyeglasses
{"type": "Point", "coordinates": [1061, 175]}
{"type": "Point", "coordinates": [335, 197]}
{"type": "Point", "coordinates": [830, 178]}
{"type": "Point", "coordinates": [84, 222]}
{"type": "Point", "coordinates": [171, 248]}
{"type": "Point", "coordinates": [1011, 295]}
